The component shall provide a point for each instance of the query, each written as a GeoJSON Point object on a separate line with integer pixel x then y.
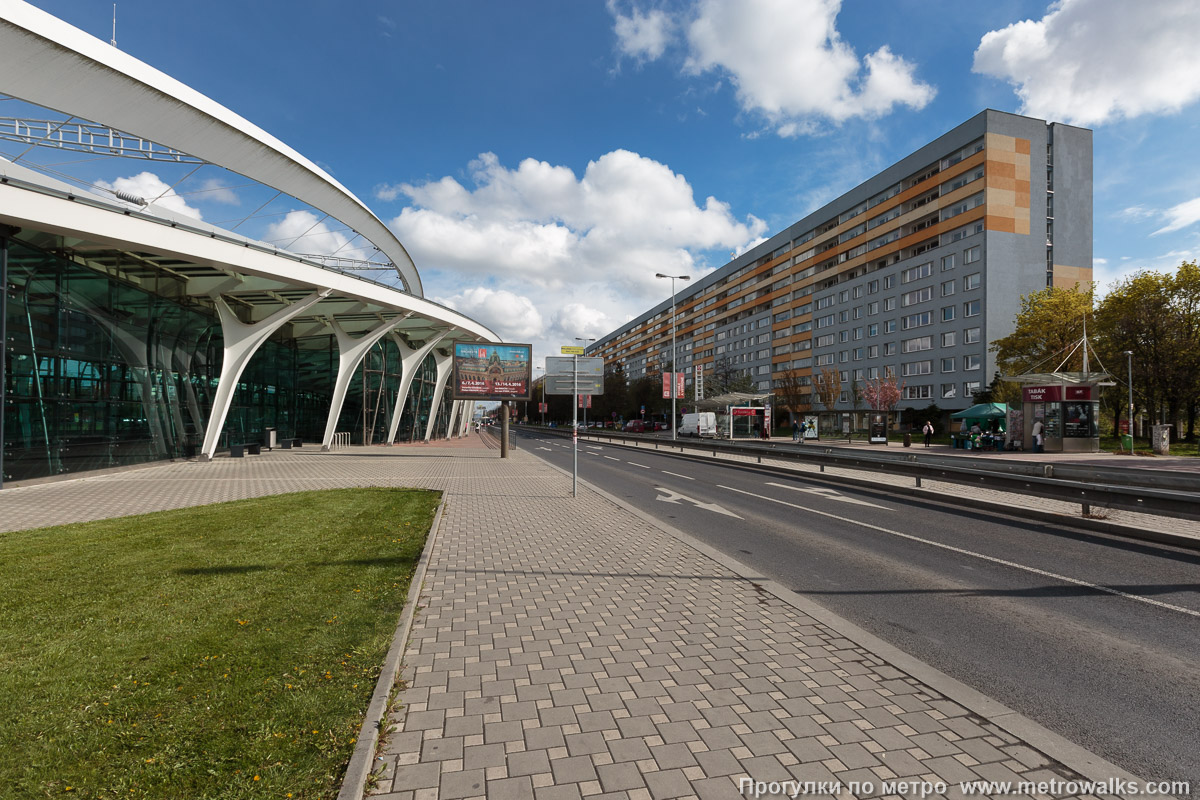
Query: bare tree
{"type": "Point", "coordinates": [828, 385]}
{"type": "Point", "coordinates": [793, 393]}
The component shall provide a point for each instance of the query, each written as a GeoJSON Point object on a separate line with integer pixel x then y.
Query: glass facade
{"type": "Point", "coordinates": [102, 372]}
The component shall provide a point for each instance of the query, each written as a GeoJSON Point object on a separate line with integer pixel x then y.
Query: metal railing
{"type": "Point", "coordinates": [341, 439]}
{"type": "Point", "coordinates": [1090, 487]}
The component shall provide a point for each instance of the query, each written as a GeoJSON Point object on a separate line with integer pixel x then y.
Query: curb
{"type": "Point", "coordinates": [354, 782]}
{"type": "Point", "coordinates": [1082, 761]}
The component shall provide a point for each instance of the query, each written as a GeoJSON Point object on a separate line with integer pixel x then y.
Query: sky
{"type": "Point", "coordinates": [541, 160]}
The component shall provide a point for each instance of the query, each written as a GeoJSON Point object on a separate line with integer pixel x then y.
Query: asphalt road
{"type": "Point", "coordinates": [1095, 637]}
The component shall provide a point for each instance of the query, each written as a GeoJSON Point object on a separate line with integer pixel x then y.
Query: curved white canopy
{"type": "Point", "coordinates": [46, 61]}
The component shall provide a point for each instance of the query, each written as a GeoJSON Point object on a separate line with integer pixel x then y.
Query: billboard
{"type": "Point", "coordinates": [492, 371]}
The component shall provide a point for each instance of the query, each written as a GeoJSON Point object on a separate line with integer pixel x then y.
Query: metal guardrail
{"type": "Point", "coordinates": [1052, 481]}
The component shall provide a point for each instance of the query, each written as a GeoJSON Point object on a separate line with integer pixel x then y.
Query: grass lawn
{"type": "Point", "coordinates": [226, 651]}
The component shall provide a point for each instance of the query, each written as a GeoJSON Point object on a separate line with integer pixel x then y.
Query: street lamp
{"type": "Point", "coordinates": [1129, 356]}
{"type": "Point", "coordinates": [674, 363]}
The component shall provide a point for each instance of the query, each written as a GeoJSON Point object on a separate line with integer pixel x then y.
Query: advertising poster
{"type": "Point", "coordinates": [492, 371]}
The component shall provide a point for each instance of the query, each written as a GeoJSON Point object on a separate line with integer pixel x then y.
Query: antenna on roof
{"type": "Point", "coordinates": [114, 36]}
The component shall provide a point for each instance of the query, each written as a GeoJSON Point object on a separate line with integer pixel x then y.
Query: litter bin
{"type": "Point", "coordinates": [1126, 442]}
{"type": "Point", "coordinates": [908, 440]}
{"type": "Point", "coordinates": [237, 451]}
{"type": "Point", "coordinates": [254, 448]}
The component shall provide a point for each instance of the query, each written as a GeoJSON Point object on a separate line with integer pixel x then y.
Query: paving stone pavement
{"type": "Point", "coordinates": [565, 648]}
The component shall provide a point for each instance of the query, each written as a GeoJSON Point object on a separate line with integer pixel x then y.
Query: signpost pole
{"type": "Point", "coordinates": [504, 429]}
{"type": "Point", "coordinates": [574, 429]}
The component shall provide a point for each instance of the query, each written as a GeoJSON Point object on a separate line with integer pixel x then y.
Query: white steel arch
{"type": "Point", "coordinates": [46, 61]}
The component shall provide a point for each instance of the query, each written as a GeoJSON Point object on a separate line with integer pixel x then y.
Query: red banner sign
{"type": "Point", "coordinates": [1042, 394]}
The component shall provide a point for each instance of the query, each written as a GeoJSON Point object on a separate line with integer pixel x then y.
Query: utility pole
{"type": "Point", "coordinates": [674, 363]}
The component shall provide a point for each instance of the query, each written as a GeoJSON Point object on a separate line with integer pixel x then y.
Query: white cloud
{"type": "Point", "coordinates": [305, 232]}
{"type": "Point", "coordinates": [215, 191]}
{"type": "Point", "coordinates": [513, 317]}
{"type": "Point", "coordinates": [151, 188]}
{"type": "Point", "coordinates": [1090, 61]}
{"type": "Point", "coordinates": [642, 35]}
{"type": "Point", "coordinates": [1180, 216]}
{"type": "Point", "coordinates": [789, 63]}
{"type": "Point", "coordinates": [581, 251]}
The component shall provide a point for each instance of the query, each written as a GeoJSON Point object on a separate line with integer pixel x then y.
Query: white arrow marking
{"type": "Point", "coordinates": [675, 497]}
{"type": "Point", "coordinates": [829, 494]}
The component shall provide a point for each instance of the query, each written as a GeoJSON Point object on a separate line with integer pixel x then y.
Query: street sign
{"type": "Point", "coordinates": [571, 351]}
{"type": "Point", "coordinates": [566, 384]}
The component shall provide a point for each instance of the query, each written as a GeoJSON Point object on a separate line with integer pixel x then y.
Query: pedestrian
{"type": "Point", "coordinates": [796, 432]}
{"type": "Point", "coordinates": [928, 431]}
{"type": "Point", "coordinates": [1038, 431]}
{"type": "Point", "coordinates": [803, 430]}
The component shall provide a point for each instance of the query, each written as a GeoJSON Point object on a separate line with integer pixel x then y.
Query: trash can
{"type": "Point", "coordinates": [255, 449]}
{"type": "Point", "coordinates": [908, 440]}
{"type": "Point", "coordinates": [1127, 442]}
{"type": "Point", "coordinates": [237, 451]}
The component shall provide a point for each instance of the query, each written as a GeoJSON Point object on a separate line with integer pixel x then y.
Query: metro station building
{"type": "Point", "coordinates": [912, 273]}
{"type": "Point", "coordinates": [131, 333]}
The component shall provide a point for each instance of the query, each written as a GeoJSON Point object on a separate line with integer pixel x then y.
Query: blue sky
{"type": "Point", "coordinates": [542, 160]}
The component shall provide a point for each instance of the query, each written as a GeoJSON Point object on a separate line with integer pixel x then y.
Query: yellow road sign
{"type": "Point", "coordinates": [571, 351]}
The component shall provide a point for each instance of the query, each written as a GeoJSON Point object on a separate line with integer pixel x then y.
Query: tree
{"type": "Point", "coordinates": [1157, 317]}
{"type": "Point", "coordinates": [882, 394]}
{"type": "Point", "coordinates": [727, 378]}
{"type": "Point", "coordinates": [828, 385]}
{"type": "Point", "coordinates": [793, 393]}
{"type": "Point", "coordinates": [1047, 329]}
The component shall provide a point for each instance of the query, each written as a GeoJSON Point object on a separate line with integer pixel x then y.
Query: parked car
{"type": "Point", "coordinates": [635, 426]}
{"type": "Point", "coordinates": [662, 426]}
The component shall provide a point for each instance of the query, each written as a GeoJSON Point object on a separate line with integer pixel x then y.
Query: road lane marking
{"type": "Point", "coordinates": [631, 463]}
{"type": "Point", "coordinates": [981, 556]}
{"type": "Point", "coordinates": [675, 497]}
{"type": "Point", "coordinates": [677, 475]}
{"type": "Point", "coordinates": [828, 494]}
{"type": "Point", "coordinates": [612, 458]}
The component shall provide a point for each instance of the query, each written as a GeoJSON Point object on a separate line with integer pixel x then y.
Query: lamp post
{"type": "Point", "coordinates": [674, 364]}
{"type": "Point", "coordinates": [542, 405]}
{"type": "Point", "coordinates": [1129, 357]}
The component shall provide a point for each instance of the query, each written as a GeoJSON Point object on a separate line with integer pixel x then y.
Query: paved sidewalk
{"type": "Point", "coordinates": [568, 648]}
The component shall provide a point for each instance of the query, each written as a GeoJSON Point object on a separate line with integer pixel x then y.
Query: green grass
{"type": "Point", "coordinates": [227, 651]}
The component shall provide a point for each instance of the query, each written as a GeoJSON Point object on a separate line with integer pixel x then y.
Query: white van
{"type": "Point", "coordinates": [701, 424]}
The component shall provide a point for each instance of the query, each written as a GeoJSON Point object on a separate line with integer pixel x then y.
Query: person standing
{"type": "Point", "coordinates": [1038, 431]}
{"type": "Point", "coordinates": [797, 430]}
{"type": "Point", "coordinates": [928, 431]}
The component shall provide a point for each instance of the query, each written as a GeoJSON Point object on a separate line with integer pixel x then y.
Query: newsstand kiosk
{"type": "Point", "coordinates": [1068, 413]}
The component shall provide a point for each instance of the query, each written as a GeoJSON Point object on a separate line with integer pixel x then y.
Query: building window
{"type": "Point", "coordinates": [889, 281]}
{"type": "Point", "coordinates": [843, 316]}
{"type": "Point", "coordinates": [889, 348]}
{"type": "Point", "coordinates": [916, 273]}
{"type": "Point", "coordinates": [918, 392]}
{"type": "Point", "coordinates": [917, 320]}
{"type": "Point", "coordinates": [971, 309]}
{"type": "Point", "coordinates": [916, 344]}
{"type": "Point", "coordinates": [948, 262]}
{"type": "Point", "coordinates": [971, 335]}
{"type": "Point", "coordinates": [889, 304]}
{"type": "Point", "coordinates": [872, 308]}
{"type": "Point", "coordinates": [873, 351]}
{"type": "Point", "coordinates": [858, 333]}
{"type": "Point", "coordinates": [873, 329]}
{"type": "Point", "coordinates": [825, 340]}
{"type": "Point", "coordinates": [972, 254]}
{"type": "Point", "coordinates": [948, 364]}
{"type": "Point", "coordinates": [947, 288]}
{"type": "Point", "coordinates": [948, 339]}
{"type": "Point", "coordinates": [947, 313]}
{"type": "Point", "coordinates": [910, 368]}
{"type": "Point", "coordinates": [873, 287]}
{"type": "Point", "coordinates": [971, 282]}
{"type": "Point", "coordinates": [889, 326]}
{"type": "Point", "coordinates": [970, 388]}
{"type": "Point", "coordinates": [916, 296]}
{"type": "Point", "coordinates": [971, 363]}
{"type": "Point", "coordinates": [844, 296]}
{"type": "Point", "coordinates": [949, 391]}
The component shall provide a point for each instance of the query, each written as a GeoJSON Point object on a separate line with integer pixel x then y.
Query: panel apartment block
{"type": "Point", "coordinates": [913, 272]}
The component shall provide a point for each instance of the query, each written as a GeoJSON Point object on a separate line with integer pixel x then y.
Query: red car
{"type": "Point", "coordinates": [635, 426]}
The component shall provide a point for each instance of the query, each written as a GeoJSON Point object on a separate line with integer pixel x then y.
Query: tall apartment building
{"type": "Point", "coordinates": [913, 272]}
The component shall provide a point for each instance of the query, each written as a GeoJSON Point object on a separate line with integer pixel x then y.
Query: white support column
{"type": "Point", "coordinates": [443, 361]}
{"type": "Point", "coordinates": [468, 412]}
{"type": "Point", "coordinates": [351, 352]}
{"type": "Point", "coordinates": [410, 359]}
{"type": "Point", "coordinates": [452, 423]}
{"type": "Point", "coordinates": [241, 343]}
